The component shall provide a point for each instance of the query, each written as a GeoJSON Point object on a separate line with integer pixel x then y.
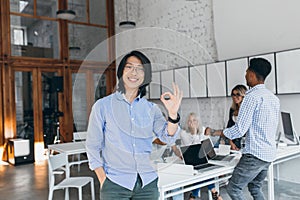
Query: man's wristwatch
{"type": "Point", "coordinates": [174, 121]}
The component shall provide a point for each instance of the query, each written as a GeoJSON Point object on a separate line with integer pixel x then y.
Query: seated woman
{"type": "Point", "coordinates": [194, 134]}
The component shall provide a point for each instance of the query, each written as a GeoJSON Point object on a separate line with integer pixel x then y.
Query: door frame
{"type": "Point", "coordinates": [37, 96]}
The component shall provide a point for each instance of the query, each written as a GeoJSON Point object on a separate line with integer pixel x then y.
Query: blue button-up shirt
{"type": "Point", "coordinates": [258, 118]}
{"type": "Point", "coordinates": [122, 132]}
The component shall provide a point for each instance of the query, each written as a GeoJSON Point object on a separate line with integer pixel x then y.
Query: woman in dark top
{"type": "Point", "coordinates": [237, 95]}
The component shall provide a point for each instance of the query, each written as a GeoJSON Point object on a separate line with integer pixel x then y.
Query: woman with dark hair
{"type": "Point", "coordinates": [120, 132]}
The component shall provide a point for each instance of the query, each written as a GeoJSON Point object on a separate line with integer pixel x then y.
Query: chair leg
{"type": "Point", "coordinates": [78, 158]}
{"type": "Point", "coordinates": [50, 196]}
{"type": "Point", "coordinates": [80, 193]}
{"type": "Point", "coordinates": [92, 189]}
{"type": "Point", "coordinates": [67, 194]}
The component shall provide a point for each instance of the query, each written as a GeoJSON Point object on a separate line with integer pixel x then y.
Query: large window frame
{"type": "Point", "coordinates": [63, 63]}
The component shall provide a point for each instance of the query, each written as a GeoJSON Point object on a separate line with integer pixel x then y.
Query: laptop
{"type": "Point", "coordinates": [194, 155]}
{"type": "Point", "coordinates": [211, 154]}
{"type": "Point", "coordinates": [157, 154]}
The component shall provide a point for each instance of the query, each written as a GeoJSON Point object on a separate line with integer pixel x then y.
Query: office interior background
{"type": "Point", "coordinates": [53, 70]}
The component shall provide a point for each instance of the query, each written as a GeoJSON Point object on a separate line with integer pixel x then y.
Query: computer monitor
{"type": "Point", "coordinates": [287, 126]}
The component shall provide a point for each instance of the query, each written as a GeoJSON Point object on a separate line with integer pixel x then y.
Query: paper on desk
{"type": "Point", "coordinates": [173, 168]}
{"type": "Point", "coordinates": [224, 149]}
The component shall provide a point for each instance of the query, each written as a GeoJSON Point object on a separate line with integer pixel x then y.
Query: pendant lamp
{"type": "Point", "coordinates": [127, 23]}
{"type": "Point", "coordinates": [66, 14]}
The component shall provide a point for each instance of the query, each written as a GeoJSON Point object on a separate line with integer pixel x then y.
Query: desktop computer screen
{"type": "Point", "coordinates": [287, 126]}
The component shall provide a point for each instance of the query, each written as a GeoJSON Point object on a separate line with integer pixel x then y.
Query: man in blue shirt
{"type": "Point", "coordinates": [257, 118]}
{"type": "Point", "coordinates": [120, 132]}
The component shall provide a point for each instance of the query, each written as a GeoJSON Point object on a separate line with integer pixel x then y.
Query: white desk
{"type": "Point", "coordinates": [69, 148]}
{"type": "Point", "coordinates": [171, 181]}
{"type": "Point", "coordinates": [168, 181]}
{"type": "Point", "coordinates": [283, 154]}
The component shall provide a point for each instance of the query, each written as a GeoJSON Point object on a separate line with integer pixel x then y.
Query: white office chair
{"type": "Point", "coordinates": [56, 165]}
{"type": "Point", "coordinates": [77, 137]}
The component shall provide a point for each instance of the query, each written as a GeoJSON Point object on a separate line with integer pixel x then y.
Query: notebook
{"type": "Point", "coordinates": [211, 154]}
{"type": "Point", "coordinates": [194, 155]}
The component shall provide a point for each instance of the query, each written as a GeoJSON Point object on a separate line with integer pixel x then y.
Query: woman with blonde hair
{"type": "Point", "coordinates": [193, 132]}
{"type": "Point", "coordinates": [237, 95]}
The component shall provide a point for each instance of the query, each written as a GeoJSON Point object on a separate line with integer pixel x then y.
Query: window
{"type": "Point", "coordinates": [19, 36]}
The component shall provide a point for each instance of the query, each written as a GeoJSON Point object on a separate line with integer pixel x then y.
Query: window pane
{"type": "Point", "coordinates": [18, 38]}
{"type": "Point", "coordinates": [46, 8]}
{"type": "Point", "coordinates": [79, 6]}
{"type": "Point", "coordinates": [40, 37]}
{"type": "Point", "coordinates": [83, 39]}
{"type": "Point", "coordinates": [50, 108]}
{"type": "Point", "coordinates": [24, 104]}
{"type": "Point", "coordinates": [99, 86]}
{"type": "Point", "coordinates": [97, 17]}
{"type": "Point", "coordinates": [79, 102]}
{"type": "Point", "coordinates": [21, 6]}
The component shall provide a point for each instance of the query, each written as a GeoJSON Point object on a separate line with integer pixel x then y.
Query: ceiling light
{"type": "Point", "coordinates": [74, 48]}
{"type": "Point", "coordinates": [127, 23]}
{"type": "Point", "coordinates": [66, 14]}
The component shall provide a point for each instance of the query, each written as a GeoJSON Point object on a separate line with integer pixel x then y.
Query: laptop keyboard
{"type": "Point", "coordinates": [223, 158]}
{"type": "Point", "coordinates": [203, 166]}
{"type": "Point", "coordinates": [228, 158]}
{"type": "Point", "coordinates": [219, 157]}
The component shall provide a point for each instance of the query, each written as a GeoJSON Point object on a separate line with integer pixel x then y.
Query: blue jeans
{"type": "Point", "coordinates": [196, 192]}
{"type": "Point", "coordinates": [249, 171]}
{"type": "Point", "coordinates": [111, 190]}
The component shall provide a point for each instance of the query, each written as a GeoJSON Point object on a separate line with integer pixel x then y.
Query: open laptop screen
{"type": "Point", "coordinates": [193, 155]}
{"type": "Point", "coordinates": [208, 148]}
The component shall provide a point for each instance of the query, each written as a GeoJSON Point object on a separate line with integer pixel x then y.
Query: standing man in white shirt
{"type": "Point", "coordinates": [258, 119]}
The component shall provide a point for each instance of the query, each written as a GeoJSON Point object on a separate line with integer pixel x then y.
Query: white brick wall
{"type": "Point", "coordinates": [172, 32]}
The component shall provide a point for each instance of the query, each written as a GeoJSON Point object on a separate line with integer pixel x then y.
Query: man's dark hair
{"type": "Point", "coordinates": [261, 67]}
{"type": "Point", "coordinates": [147, 67]}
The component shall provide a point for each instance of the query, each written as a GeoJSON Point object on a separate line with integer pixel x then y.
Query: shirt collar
{"type": "Point", "coordinates": [257, 87]}
{"type": "Point", "coordinates": [121, 96]}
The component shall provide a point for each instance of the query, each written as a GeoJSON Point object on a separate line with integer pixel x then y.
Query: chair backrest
{"type": "Point", "coordinates": [56, 162]}
{"type": "Point", "coordinates": [79, 136]}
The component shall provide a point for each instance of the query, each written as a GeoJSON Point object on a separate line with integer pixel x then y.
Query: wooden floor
{"type": "Point", "coordinates": [30, 182]}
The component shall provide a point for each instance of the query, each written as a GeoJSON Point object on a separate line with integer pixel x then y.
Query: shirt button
{"type": "Point", "coordinates": [132, 119]}
{"type": "Point", "coordinates": [133, 145]}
